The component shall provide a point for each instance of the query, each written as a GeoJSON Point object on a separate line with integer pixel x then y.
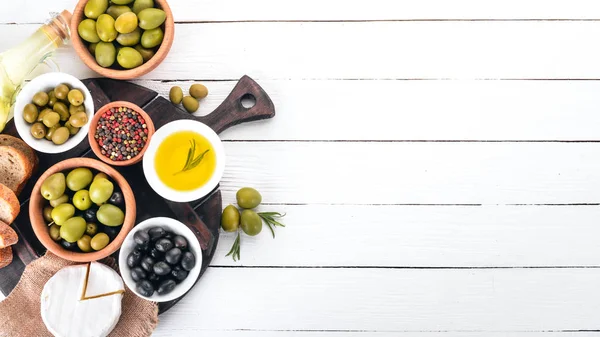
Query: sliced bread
{"type": "Point", "coordinates": [6, 257]}
{"type": "Point", "coordinates": [15, 168]}
{"type": "Point", "coordinates": [9, 205]}
{"type": "Point", "coordinates": [8, 236]}
{"type": "Point", "coordinates": [6, 140]}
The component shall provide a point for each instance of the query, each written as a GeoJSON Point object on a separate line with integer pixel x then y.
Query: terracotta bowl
{"type": "Point", "coordinates": [126, 74]}
{"type": "Point", "coordinates": [37, 203]}
{"type": "Point", "coordinates": [96, 147]}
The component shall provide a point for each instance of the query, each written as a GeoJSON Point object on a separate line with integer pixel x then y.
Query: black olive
{"type": "Point", "coordinates": [112, 232]}
{"type": "Point", "coordinates": [145, 288]}
{"type": "Point", "coordinates": [141, 238]}
{"type": "Point", "coordinates": [134, 258]}
{"type": "Point", "coordinates": [138, 274]}
{"type": "Point", "coordinates": [180, 242]}
{"type": "Point", "coordinates": [156, 254]}
{"type": "Point", "coordinates": [173, 256]}
{"type": "Point", "coordinates": [153, 278]}
{"type": "Point", "coordinates": [188, 261]}
{"type": "Point", "coordinates": [166, 287]}
{"type": "Point", "coordinates": [169, 236]}
{"type": "Point", "coordinates": [90, 215]}
{"type": "Point", "coordinates": [179, 274]}
{"type": "Point", "coordinates": [117, 199]}
{"type": "Point", "coordinates": [161, 268]}
{"type": "Point", "coordinates": [147, 263]}
{"type": "Point", "coordinates": [164, 245]}
{"type": "Point", "coordinates": [142, 248]}
{"type": "Point", "coordinates": [72, 246]}
{"type": "Point", "coordinates": [156, 233]}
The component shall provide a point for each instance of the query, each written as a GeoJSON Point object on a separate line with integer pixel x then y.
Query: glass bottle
{"type": "Point", "coordinates": [17, 62]}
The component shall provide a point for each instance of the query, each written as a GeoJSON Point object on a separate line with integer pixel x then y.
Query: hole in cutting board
{"type": "Point", "coordinates": [248, 101]}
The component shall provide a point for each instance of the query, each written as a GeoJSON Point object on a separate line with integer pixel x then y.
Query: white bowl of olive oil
{"type": "Point", "coordinates": [185, 161]}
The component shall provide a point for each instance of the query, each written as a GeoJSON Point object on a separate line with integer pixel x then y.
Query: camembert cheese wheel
{"type": "Point", "coordinates": [82, 301]}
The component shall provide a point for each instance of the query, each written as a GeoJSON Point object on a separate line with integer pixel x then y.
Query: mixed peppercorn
{"type": "Point", "coordinates": [121, 133]}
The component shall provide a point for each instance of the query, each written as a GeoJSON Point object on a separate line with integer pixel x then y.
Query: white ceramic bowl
{"type": "Point", "coordinates": [176, 227]}
{"type": "Point", "coordinates": [45, 83]}
{"type": "Point", "coordinates": [149, 167]}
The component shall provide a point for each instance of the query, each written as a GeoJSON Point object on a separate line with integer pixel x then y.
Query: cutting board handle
{"type": "Point", "coordinates": [232, 112]}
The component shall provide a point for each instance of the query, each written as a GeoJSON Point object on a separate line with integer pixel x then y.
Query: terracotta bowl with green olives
{"type": "Point", "coordinates": [81, 209]}
{"type": "Point", "coordinates": [122, 39]}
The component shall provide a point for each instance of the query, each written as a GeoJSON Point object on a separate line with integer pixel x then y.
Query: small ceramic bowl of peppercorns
{"type": "Point", "coordinates": [120, 133]}
{"type": "Point", "coordinates": [160, 259]}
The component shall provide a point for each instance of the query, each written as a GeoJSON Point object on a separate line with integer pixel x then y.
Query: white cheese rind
{"type": "Point", "coordinates": [65, 315]}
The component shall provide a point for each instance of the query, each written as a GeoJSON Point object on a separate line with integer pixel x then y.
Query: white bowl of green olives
{"type": "Point", "coordinates": [52, 112]}
{"type": "Point", "coordinates": [160, 259]}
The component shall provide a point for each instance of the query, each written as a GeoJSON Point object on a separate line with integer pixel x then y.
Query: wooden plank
{"type": "Point", "coordinates": [174, 332]}
{"type": "Point", "coordinates": [416, 110]}
{"type": "Point", "coordinates": [423, 236]}
{"type": "Point", "coordinates": [414, 173]}
{"type": "Point", "coordinates": [239, 10]}
{"type": "Point", "coordinates": [373, 50]}
{"type": "Point", "coordinates": [393, 300]}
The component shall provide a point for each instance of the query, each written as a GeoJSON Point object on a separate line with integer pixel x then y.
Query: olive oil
{"type": "Point", "coordinates": [174, 161]}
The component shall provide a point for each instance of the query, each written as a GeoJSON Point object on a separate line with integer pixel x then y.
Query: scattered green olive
{"type": "Point", "coordinates": [230, 220]}
{"type": "Point", "coordinates": [30, 113]}
{"type": "Point", "coordinates": [72, 130]}
{"type": "Point", "coordinates": [85, 243]}
{"type": "Point", "coordinates": [129, 58]}
{"type": "Point", "coordinates": [99, 241]}
{"type": "Point", "coordinates": [152, 37]}
{"type": "Point", "coordinates": [105, 27]}
{"type": "Point", "coordinates": [147, 54]}
{"type": "Point", "coordinates": [117, 10]}
{"type": "Point", "coordinates": [140, 5]}
{"type": "Point", "coordinates": [61, 91]}
{"type": "Point", "coordinates": [94, 8]}
{"type": "Point", "coordinates": [61, 109]}
{"type": "Point", "coordinates": [40, 99]}
{"type": "Point", "coordinates": [73, 109]}
{"type": "Point", "coordinates": [50, 132]}
{"type": "Point", "coordinates": [248, 198]}
{"type": "Point", "coordinates": [75, 97]}
{"type": "Point", "coordinates": [79, 178]}
{"type": "Point", "coordinates": [87, 31]}
{"type": "Point", "coordinates": [54, 232]}
{"type": "Point", "coordinates": [54, 186]}
{"type": "Point", "coordinates": [73, 229]}
{"type": "Point", "coordinates": [92, 48]}
{"type": "Point", "coordinates": [52, 98]}
{"type": "Point", "coordinates": [60, 136]}
{"type": "Point", "coordinates": [190, 104]}
{"type": "Point", "coordinates": [151, 18]}
{"type": "Point", "coordinates": [47, 213]}
{"type": "Point", "coordinates": [175, 95]}
{"type": "Point", "coordinates": [59, 201]}
{"type": "Point", "coordinates": [126, 23]}
{"type": "Point", "coordinates": [198, 91]}
{"type": "Point", "coordinates": [91, 229]}
{"type": "Point", "coordinates": [110, 215]}
{"type": "Point", "coordinates": [100, 175]}
{"type": "Point", "coordinates": [79, 119]}
{"type": "Point", "coordinates": [130, 39]}
{"type": "Point", "coordinates": [42, 114]}
{"type": "Point", "coordinates": [62, 213]}
{"type": "Point", "coordinates": [51, 119]}
{"type": "Point", "coordinates": [38, 130]}
{"type": "Point", "coordinates": [106, 54]}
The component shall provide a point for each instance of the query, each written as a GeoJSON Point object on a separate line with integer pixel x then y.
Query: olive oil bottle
{"type": "Point", "coordinates": [17, 62]}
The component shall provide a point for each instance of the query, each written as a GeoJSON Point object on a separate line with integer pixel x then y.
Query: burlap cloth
{"type": "Point", "coordinates": [20, 311]}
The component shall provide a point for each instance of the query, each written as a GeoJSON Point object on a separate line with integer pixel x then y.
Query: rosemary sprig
{"type": "Point", "coordinates": [270, 219]}
{"type": "Point", "coordinates": [192, 162]}
{"type": "Point", "coordinates": [235, 249]}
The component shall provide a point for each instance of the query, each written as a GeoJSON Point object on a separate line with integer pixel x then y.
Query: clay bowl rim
{"type": "Point", "coordinates": [155, 61]}
{"type": "Point", "coordinates": [40, 228]}
{"type": "Point", "coordinates": [96, 147]}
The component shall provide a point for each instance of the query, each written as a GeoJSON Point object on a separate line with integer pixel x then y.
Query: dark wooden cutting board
{"type": "Point", "coordinates": [149, 204]}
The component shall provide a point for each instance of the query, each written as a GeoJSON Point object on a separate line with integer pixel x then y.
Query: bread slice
{"type": "Point", "coordinates": [6, 140]}
{"type": "Point", "coordinates": [6, 257]}
{"type": "Point", "coordinates": [9, 205]}
{"type": "Point", "coordinates": [15, 168]}
{"type": "Point", "coordinates": [8, 236]}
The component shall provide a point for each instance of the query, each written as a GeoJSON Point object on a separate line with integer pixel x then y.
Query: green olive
{"type": "Point", "coordinates": [101, 190]}
{"type": "Point", "coordinates": [40, 99]}
{"type": "Point", "coordinates": [94, 8]}
{"type": "Point", "coordinates": [87, 31]}
{"type": "Point", "coordinates": [42, 114]}
{"type": "Point", "coordinates": [147, 54]}
{"type": "Point", "coordinates": [73, 229]}
{"type": "Point", "coordinates": [110, 215]}
{"type": "Point", "coordinates": [251, 222]}
{"type": "Point", "coordinates": [129, 58]}
{"type": "Point", "coordinates": [38, 130]}
{"type": "Point", "coordinates": [99, 241]}
{"type": "Point", "coordinates": [230, 220]}
{"type": "Point", "coordinates": [30, 113]}
{"type": "Point", "coordinates": [105, 27]}
{"type": "Point", "coordinates": [140, 5]}
{"type": "Point", "coordinates": [48, 213]}
{"type": "Point", "coordinates": [75, 97]}
{"type": "Point", "coordinates": [151, 18]}
{"type": "Point", "coordinates": [61, 91]}
{"type": "Point", "coordinates": [117, 10]}
{"type": "Point", "coordinates": [72, 130]}
{"type": "Point", "coordinates": [100, 175]}
{"type": "Point", "coordinates": [54, 232]}
{"type": "Point", "coordinates": [59, 201]}
{"type": "Point", "coordinates": [91, 229]}
{"type": "Point", "coordinates": [52, 98]}
{"type": "Point", "coordinates": [198, 91]}
{"type": "Point", "coordinates": [122, 2]}
{"type": "Point", "coordinates": [190, 104]}
{"type": "Point", "coordinates": [60, 136]}
{"type": "Point", "coordinates": [79, 178]}
{"type": "Point", "coordinates": [248, 198]}
{"type": "Point", "coordinates": [62, 213]}
{"type": "Point", "coordinates": [81, 200]}
{"type": "Point", "coordinates": [85, 243]}
{"type": "Point", "coordinates": [54, 186]}
{"type": "Point", "coordinates": [73, 109]}
{"type": "Point", "coordinates": [126, 23]}
{"type": "Point", "coordinates": [51, 119]}
{"type": "Point", "coordinates": [79, 119]}
{"type": "Point", "coordinates": [176, 95]}
{"type": "Point", "coordinates": [61, 109]}
{"type": "Point", "coordinates": [130, 39]}
{"type": "Point", "coordinates": [50, 131]}
{"type": "Point", "coordinates": [106, 53]}
{"type": "Point", "coordinates": [152, 38]}
{"type": "Point", "coordinates": [92, 48]}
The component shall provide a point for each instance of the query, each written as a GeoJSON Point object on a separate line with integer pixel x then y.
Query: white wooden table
{"type": "Point", "coordinates": [439, 162]}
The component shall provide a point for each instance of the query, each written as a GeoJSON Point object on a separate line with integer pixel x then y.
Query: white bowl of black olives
{"type": "Point", "coordinates": [160, 259]}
